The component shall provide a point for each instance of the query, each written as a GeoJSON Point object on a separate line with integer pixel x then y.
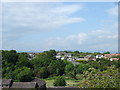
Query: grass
{"type": "Point", "coordinates": [69, 81]}
{"type": "Point", "coordinates": [49, 83]}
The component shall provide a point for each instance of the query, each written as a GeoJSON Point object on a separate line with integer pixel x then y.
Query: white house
{"type": "Point", "coordinates": [99, 56]}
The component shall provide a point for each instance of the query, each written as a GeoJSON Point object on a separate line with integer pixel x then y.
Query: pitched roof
{"type": "Point", "coordinates": [24, 85]}
{"type": "Point", "coordinates": [6, 81]}
{"type": "Point", "coordinates": [39, 82]}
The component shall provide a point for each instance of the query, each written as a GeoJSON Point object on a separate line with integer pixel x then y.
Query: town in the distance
{"type": "Point", "coordinates": [60, 69]}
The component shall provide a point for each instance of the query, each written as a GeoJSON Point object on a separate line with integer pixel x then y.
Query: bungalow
{"type": "Point", "coordinates": [41, 83]}
{"type": "Point", "coordinates": [99, 56]}
{"type": "Point", "coordinates": [7, 83]}
{"type": "Point", "coordinates": [24, 85]}
{"type": "Point", "coordinates": [35, 84]}
{"type": "Point", "coordinates": [90, 57]}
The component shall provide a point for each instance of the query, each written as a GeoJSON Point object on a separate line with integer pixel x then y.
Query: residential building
{"type": "Point", "coordinates": [110, 55]}
{"type": "Point", "coordinates": [90, 57]}
{"type": "Point", "coordinates": [41, 83]}
{"type": "Point", "coordinates": [114, 59]}
{"type": "Point", "coordinates": [7, 83]}
{"type": "Point", "coordinates": [35, 84]}
{"type": "Point", "coordinates": [99, 56]}
{"type": "Point", "coordinates": [24, 85]}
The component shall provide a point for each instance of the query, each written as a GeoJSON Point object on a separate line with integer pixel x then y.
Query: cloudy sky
{"type": "Point", "coordinates": [85, 26]}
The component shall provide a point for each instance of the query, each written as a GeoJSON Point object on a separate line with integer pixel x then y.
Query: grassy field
{"type": "Point", "coordinates": [69, 81]}
{"type": "Point", "coordinates": [49, 83]}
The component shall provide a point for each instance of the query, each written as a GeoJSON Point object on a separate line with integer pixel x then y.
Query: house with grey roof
{"type": "Point", "coordinates": [7, 83]}
{"type": "Point", "coordinates": [24, 85]}
{"type": "Point", "coordinates": [90, 57]}
{"type": "Point", "coordinates": [35, 84]}
{"type": "Point", "coordinates": [41, 83]}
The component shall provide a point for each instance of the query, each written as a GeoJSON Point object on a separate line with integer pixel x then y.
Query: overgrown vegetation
{"type": "Point", "coordinates": [59, 81]}
{"type": "Point", "coordinates": [101, 73]}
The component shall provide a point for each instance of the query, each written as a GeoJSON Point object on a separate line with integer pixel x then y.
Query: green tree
{"type": "Point", "coordinates": [56, 67]}
{"type": "Point", "coordinates": [23, 61]}
{"type": "Point", "coordinates": [9, 60]}
{"type": "Point", "coordinates": [80, 68]}
{"type": "Point", "coordinates": [41, 60]}
{"type": "Point", "coordinates": [59, 81]}
{"type": "Point", "coordinates": [106, 52]}
{"type": "Point", "coordinates": [9, 57]}
{"type": "Point", "coordinates": [94, 78]}
{"type": "Point", "coordinates": [23, 74]}
{"type": "Point", "coordinates": [70, 70]}
{"type": "Point", "coordinates": [51, 53]}
{"type": "Point", "coordinates": [42, 72]}
{"type": "Point", "coordinates": [76, 52]}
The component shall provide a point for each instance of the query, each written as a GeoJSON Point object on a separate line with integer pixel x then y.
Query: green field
{"type": "Point", "coordinates": [49, 83]}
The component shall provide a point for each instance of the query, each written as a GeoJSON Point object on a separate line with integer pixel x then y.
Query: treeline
{"type": "Point", "coordinates": [18, 67]}
{"type": "Point", "coordinates": [82, 54]}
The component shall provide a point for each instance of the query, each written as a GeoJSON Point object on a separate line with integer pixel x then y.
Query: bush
{"type": "Point", "coordinates": [80, 61]}
{"type": "Point", "coordinates": [94, 78]}
{"type": "Point", "coordinates": [59, 81]}
{"type": "Point", "coordinates": [23, 74]}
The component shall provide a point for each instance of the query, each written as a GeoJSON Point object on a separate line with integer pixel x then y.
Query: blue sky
{"type": "Point", "coordinates": [85, 26]}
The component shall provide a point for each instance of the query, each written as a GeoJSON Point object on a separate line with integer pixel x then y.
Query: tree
{"type": "Point", "coordinates": [80, 68]}
{"type": "Point", "coordinates": [59, 81]}
{"type": "Point", "coordinates": [23, 74]}
{"type": "Point", "coordinates": [70, 70]}
{"type": "Point", "coordinates": [96, 53]}
{"type": "Point", "coordinates": [76, 52]}
{"type": "Point", "coordinates": [106, 52]}
{"type": "Point", "coordinates": [56, 67]}
{"type": "Point", "coordinates": [41, 60]}
{"type": "Point", "coordinates": [9, 57]}
{"type": "Point", "coordinates": [9, 60]}
{"type": "Point", "coordinates": [51, 53]}
{"type": "Point", "coordinates": [42, 72]}
{"type": "Point", "coordinates": [23, 61]}
{"type": "Point", "coordinates": [94, 78]}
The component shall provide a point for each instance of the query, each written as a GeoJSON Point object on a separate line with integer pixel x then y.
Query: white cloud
{"type": "Point", "coordinates": [113, 11]}
{"type": "Point", "coordinates": [112, 36]}
{"type": "Point", "coordinates": [69, 9]}
{"type": "Point", "coordinates": [100, 31]}
{"type": "Point", "coordinates": [40, 16]}
{"type": "Point", "coordinates": [20, 19]}
{"type": "Point", "coordinates": [67, 42]}
{"type": "Point", "coordinates": [89, 41]}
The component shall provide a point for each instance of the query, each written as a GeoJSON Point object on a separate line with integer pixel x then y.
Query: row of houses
{"type": "Point", "coordinates": [35, 84]}
{"type": "Point", "coordinates": [69, 57]}
{"type": "Point", "coordinates": [112, 57]}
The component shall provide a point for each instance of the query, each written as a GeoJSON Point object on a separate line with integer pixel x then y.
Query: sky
{"type": "Point", "coordinates": [82, 26]}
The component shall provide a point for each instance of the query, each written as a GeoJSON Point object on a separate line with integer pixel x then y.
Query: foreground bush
{"type": "Point", "coordinates": [94, 78]}
{"type": "Point", "coordinates": [59, 81]}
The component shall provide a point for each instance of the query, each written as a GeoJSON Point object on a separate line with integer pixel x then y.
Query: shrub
{"type": "Point", "coordinates": [59, 81]}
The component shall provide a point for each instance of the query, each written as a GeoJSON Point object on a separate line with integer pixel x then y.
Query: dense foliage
{"type": "Point", "coordinates": [94, 78]}
{"type": "Point", "coordinates": [59, 81]}
{"type": "Point", "coordinates": [101, 73]}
